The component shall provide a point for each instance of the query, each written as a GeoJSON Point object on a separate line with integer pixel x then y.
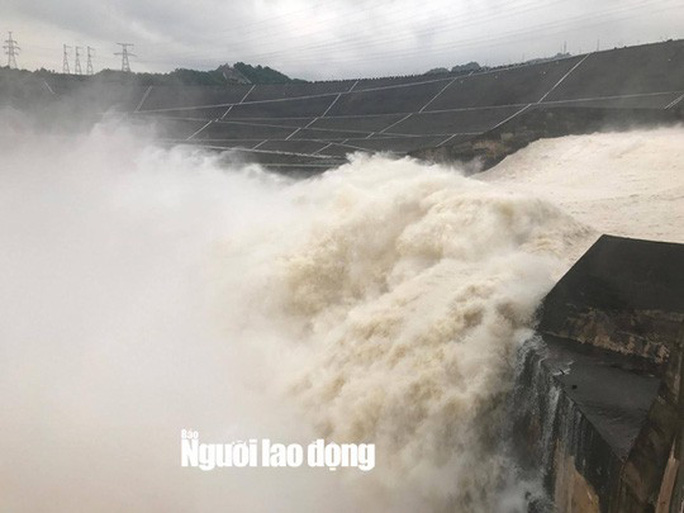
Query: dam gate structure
{"type": "Point", "coordinates": [601, 401]}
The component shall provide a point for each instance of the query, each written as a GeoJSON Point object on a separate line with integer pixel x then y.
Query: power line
{"type": "Point", "coordinates": [260, 36]}
{"type": "Point", "coordinates": [125, 54]}
{"type": "Point", "coordinates": [319, 50]}
{"type": "Point", "coordinates": [447, 47]}
{"type": "Point", "coordinates": [445, 20]}
{"type": "Point", "coordinates": [448, 23]}
{"type": "Point", "coordinates": [65, 60]}
{"type": "Point", "coordinates": [11, 49]}
{"type": "Point", "coordinates": [451, 24]}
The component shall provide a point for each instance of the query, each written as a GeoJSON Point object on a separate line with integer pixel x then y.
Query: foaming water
{"type": "Point", "coordinates": [629, 183]}
{"type": "Point", "coordinates": [151, 290]}
{"type": "Point", "coordinates": [411, 293]}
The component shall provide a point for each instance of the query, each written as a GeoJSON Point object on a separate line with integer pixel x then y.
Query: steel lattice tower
{"type": "Point", "coordinates": [65, 61]}
{"type": "Point", "coordinates": [11, 49]}
{"type": "Point", "coordinates": [89, 64]}
{"type": "Point", "coordinates": [125, 54]}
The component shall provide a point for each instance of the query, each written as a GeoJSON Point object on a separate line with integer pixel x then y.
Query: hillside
{"type": "Point", "coordinates": [239, 73]}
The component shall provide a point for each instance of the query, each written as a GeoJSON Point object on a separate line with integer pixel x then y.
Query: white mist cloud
{"type": "Point", "coordinates": [112, 343]}
{"type": "Point", "coordinates": [149, 290]}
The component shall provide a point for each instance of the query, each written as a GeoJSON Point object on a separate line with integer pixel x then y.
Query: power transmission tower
{"type": "Point", "coordinates": [89, 65]}
{"type": "Point", "coordinates": [125, 54]}
{"type": "Point", "coordinates": [65, 61]}
{"type": "Point", "coordinates": [77, 60]}
{"type": "Point", "coordinates": [11, 49]}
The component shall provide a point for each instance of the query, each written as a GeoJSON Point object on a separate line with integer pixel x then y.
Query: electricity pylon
{"type": "Point", "coordinates": [125, 54]}
{"type": "Point", "coordinates": [65, 61]}
{"type": "Point", "coordinates": [11, 49]}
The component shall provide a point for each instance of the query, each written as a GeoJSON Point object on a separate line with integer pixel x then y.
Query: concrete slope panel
{"type": "Point", "coordinates": [279, 122]}
{"type": "Point", "coordinates": [525, 84]}
{"type": "Point", "coordinates": [375, 83]}
{"type": "Point", "coordinates": [394, 144]}
{"type": "Point", "coordinates": [170, 97]}
{"type": "Point", "coordinates": [307, 107]}
{"type": "Point", "coordinates": [92, 94]}
{"type": "Point", "coordinates": [293, 160]}
{"type": "Point", "coordinates": [293, 146]}
{"type": "Point", "coordinates": [361, 123]}
{"type": "Point", "coordinates": [227, 144]}
{"type": "Point", "coordinates": [278, 91]}
{"type": "Point", "coordinates": [464, 121]}
{"type": "Point", "coordinates": [641, 69]}
{"type": "Point", "coordinates": [386, 101]}
{"type": "Point", "coordinates": [641, 101]}
{"type": "Point", "coordinates": [328, 134]}
{"type": "Point", "coordinates": [206, 113]}
{"type": "Point", "coordinates": [222, 130]}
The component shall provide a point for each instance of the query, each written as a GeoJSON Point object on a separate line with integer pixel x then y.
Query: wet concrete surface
{"type": "Point", "coordinates": [612, 392]}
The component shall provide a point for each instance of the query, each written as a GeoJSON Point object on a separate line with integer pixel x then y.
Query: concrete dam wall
{"type": "Point", "coordinates": [600, 396]}
{"type": "Point", "coordinates": [444, 117]}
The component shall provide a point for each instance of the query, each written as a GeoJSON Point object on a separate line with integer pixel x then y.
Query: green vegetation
{"type": "Point", "coordinates": [463, 68]}
{"type": "Point", "coordinates": [240, 73]}
{"type": "Point", "coordinates": [263, 75]}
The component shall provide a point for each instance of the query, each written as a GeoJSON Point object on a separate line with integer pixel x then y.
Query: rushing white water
{"type": "Point", "coordinates": [147, 290]}
{"type": "Point", "coordinates": [629, 184]}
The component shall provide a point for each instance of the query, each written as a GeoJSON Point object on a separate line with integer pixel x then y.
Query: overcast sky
{"type": "Point", "coordinates": [323, 39]}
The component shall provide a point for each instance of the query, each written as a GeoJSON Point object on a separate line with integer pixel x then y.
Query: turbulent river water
{"type": "Point", "coordinates": [148, 290]}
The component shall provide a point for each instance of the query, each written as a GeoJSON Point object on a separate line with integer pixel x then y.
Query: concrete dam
{"type": "Point", "coordinates": [447, 117]}
{"type": "Point", "coordinates": [598, 404]}
{"type": "Point", "coordinates": [317, 124]}
{"type": "Point", "coordinates": [601, 400]}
